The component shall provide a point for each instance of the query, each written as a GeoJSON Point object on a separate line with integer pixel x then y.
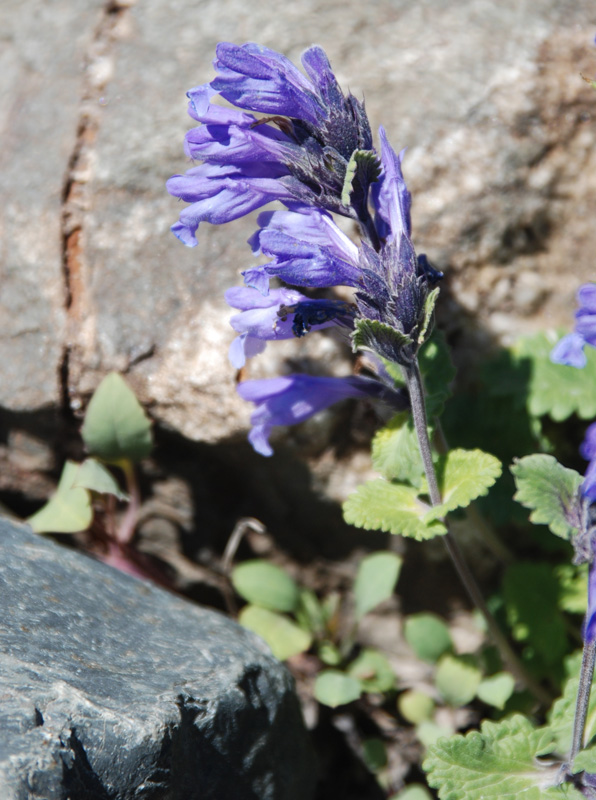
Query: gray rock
{"type": "Point", "coordinates": [113, 688]}
{"type": "Point", "coordinates": [501, 159]}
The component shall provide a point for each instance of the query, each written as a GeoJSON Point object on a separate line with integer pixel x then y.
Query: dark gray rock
{"type": "Point", "coordinates": [113, 688]}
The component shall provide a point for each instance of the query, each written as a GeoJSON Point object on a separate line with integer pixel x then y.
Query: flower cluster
{"type": "Point", "coordinates": [298, 139]}
{"type": "Point", "coordinates": [570, 350]}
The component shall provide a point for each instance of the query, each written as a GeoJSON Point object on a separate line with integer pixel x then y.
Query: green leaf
{"type": "Point", "coordinates": [395, 451]}
{"type": "Point", "coordinates": [457, 680]}
{"type": "Point", "coordinates": [265, 585]}
{"type": "Point", "coordinates": [116, 426]}
{"type": "Point", "coordinates": [310, 613]}
{"type": "Point", "coordinates": [96, 477]}
{"type": "Point", "coordinates": [429, 310]}
{"type": "Point", "coordinates": [573, 587]}
{"type": "Point", "coordinates": [415, 706]}
{"type": "Point", "coordinates": [375, 581]}
{"type": "Point", "coordinates": [463, 476]}
{"type": "Point", "coordinates": [551, 491]}
{"type": "Point", "coordinates": [437, 371]}
{"type": "Point", "coordinates": [499, 762]}
{"type": "Point", "coordinates": [373, 671]}
{"type": "Point", "coordinates": [374, 754]}
{"type": "Point", "coordinates": [496, 690]}
{"type": "Point", "coordinates": [414, 791]}
{"type": "Point", "coordinates": [554, 389]}
{"type": "Point", "coordinates": [585, 761]}
{"type": "Point", "coordinates": [379, 338]}
{"type": "Point", "coordinates": [69, 509]}
{"type": "Point", "coordinates": [429, 732]}
{"type": "Point", "coordinates": [561, 715]}
{"type": "Point", "coordinates": [282, 635]}
{"type": "Point", "coordinates": [428, 636]}
{"type": "Point", "coordinates": [530, 593]}
{"type": "Point", "coordinates": [334, 688]}
{"type": "Point", "coordinates": [390, 507]}
{"type": "Point", "coordinates": [363, 169]}
{"type": "Point", "coordinates": [329, 654]}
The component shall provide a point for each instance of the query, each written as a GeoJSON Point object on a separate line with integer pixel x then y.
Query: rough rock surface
{"type": "Point", "coordinates": [113, 688]}
{"type": "Point", "coordinates": [501, 161]}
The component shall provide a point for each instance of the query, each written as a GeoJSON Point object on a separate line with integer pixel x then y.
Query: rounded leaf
{"type": "Point", "coordinates": [373, 671]}
{"type": "Point", "coordinates": [496, 690]}
{"type": "Point", "coordinates": [282, 635]}
{"type": "Point", "coordinates": [428, 636]}
{"type": "Point", "coordinates": [265, 585]}
{"type": "Point", "coordinates": [457, 680]}
{"type": "Point", "coordinates": [415, 706]}
{"type": "Point", "coordinates": [334, 688]}
{"type": "Point", "coordinates": [375, 581]}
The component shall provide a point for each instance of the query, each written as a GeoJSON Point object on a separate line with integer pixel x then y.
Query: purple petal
{"type": "Point", "coordinates": [391, 197]}
{"type": "Point", "coordinates": [237, 142]}
{"type": "Point", "coordinates": [586, 297]}
{"type": "Point", "coordinates": [244, 347]}
{"type": "Point", "coordinates": [260, 79]}
{"type": "Point", "coordinates": [588, 447]}
{"type": "Point", "coordinates": [294, 398]}
{"type": "Point", "coordinates": [590, 621]}
{"type": "Point", "coordinates": [221, 194]}
{"type": "Point", "coordinates": [569, 351]}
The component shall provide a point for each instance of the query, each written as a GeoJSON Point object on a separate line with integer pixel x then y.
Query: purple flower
{"type": "Point", "coordinates": [570, 350]}
{"type": "Point", "coordinates": [300, 153]}
{"type": "Point", "coordinates": [294, 398]}
{"type": "Point", "coordinates": [307, 248]}
{"type": "Point", "coordinates": [589, 631]}
{"type": "Point", "coordinates": [588, 451]}
{"type": "Point", "coordinates": [282, 314]}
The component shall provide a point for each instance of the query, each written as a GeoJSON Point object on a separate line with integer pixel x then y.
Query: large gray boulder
{"type": "Point", "coordinates": [115, 689]}
{"type": "Point", "coordinates": [501, 163]}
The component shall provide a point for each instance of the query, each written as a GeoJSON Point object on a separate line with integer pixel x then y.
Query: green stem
{"type": "Point", "coordinates": [418, 404]}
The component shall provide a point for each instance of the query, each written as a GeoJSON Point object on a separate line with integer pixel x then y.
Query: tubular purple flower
{"type": "Point", "coordinates": [391, 197]}
{"type": "Point", "coordinates": [588, 451]}
{"type": "Point", "coordinates": [294, 398]}
{"type": "Point", "coordinates": [308, 249]}
{"type": "Point", "coordinates": [589, 631]}
{"type": "Point", "coordinates": [570, 350]}
{"type": "Point", "coordinates": [304, 149]}
{"type": "Point", "coordinates": [278, 315]}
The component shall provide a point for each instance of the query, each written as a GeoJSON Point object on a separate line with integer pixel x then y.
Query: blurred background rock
{"type": "Point", "coordinates": [500, 130]}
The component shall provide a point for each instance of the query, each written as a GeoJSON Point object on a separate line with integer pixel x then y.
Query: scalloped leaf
{"type": "Point", "coordinates": [282, 635]}
{"type": "Point", "coordinates": [375, 580]}
{"type": "Point", "coordinates": [116, 426]}
{"type": "Point", "coordinates": [379, 338]}
{"type": "Point", "coordinates": [264, 584]}
{"type": "Point", "coordinates": [96, 477]}
{"type": "Point", "coordinates": [463, 476]}
{"type": "Point", "coordinates": [498, 762]}
{"type": "Point", "coordinates": [555, 389]}
{"type": "Point", "coordinates": [395, 451]}
{"type": "Point", "coordinates": [551, 491]}
{"type": "Point", "coordinates": [69, 509]}
{"type": "Point", "coordinates": [392, 508]}
{"type": "Point", "coordinates": [334, 688]}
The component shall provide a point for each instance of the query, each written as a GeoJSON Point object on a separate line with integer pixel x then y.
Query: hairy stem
{"type": "Point", "coordinates": [416, 390]}
{"type": "Point", "coordinates": [583, 698]}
